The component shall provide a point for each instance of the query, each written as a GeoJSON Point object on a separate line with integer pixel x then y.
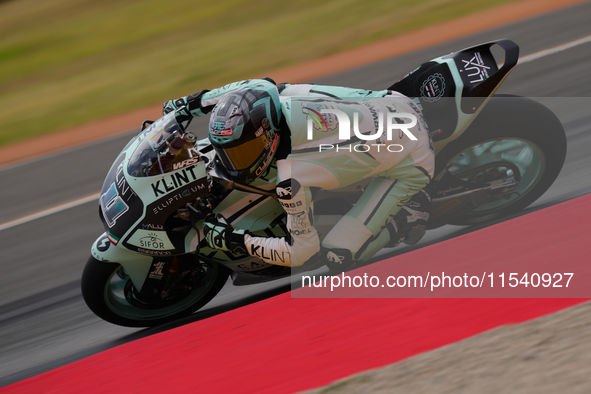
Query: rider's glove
{"type": "Point", "coordinates": [192, 104]}
{"type": "Point", "coordinates": [173, 105]}
{"type": "Point", "coordinates": [180, 109]}
{"type": "Point", "coordinates": [182, 115]}
{"type": "Point", "coordinates": [224, 237]}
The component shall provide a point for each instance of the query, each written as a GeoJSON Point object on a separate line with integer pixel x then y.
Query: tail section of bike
{"type": "Point", "coordinates": [453, 89]}
{"type": "Point", "coordinates": [511, 148]}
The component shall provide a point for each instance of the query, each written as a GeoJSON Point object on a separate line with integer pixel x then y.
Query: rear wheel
{"type": "Point", "coordinates": [110, 294]}
{"type": "Point", "coordinates": [513, 136]}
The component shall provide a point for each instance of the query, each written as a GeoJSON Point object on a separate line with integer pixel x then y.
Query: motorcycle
{"type": "Point", "coordinates": [495, 155]}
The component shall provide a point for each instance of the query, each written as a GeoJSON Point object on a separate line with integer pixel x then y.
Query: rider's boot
{"type": "Point", "coordinates": [410, 224]}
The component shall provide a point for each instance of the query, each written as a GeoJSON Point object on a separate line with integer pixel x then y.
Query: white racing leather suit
{"type": "Point", "coordinates": [398, 168]}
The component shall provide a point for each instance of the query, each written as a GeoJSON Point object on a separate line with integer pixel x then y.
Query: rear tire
{"type": "Point", "coordinates": [102, 290]}
{"type": "Point", "coordinates": [525, 122]}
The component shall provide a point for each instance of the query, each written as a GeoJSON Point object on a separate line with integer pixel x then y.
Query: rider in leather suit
{"type": "Point", "coordinates": [256, 124]}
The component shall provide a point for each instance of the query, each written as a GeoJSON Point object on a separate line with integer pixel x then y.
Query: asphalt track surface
{"type": "Point", "coordinates": [45, 324]}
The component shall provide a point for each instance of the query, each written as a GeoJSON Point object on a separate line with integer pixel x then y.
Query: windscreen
{"type": "Point", "coordinates": [164, 148]}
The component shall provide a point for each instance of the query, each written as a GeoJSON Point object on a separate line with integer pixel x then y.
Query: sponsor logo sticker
{"type": "Point", "coordinates": [433, 87]}
{"type": "Point", "coordinates": [154, 240]}
{"type": "Point", "coordinates": [478, 71]}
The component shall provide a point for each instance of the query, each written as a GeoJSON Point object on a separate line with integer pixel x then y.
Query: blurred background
{"type": "Point", "coordinates": [67, 62]}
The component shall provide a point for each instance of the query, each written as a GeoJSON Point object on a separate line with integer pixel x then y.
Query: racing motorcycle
{"type": "Point", "coordinates": [495, 155]}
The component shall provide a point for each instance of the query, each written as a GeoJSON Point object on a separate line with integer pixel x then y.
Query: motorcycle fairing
{"type": "Point", "coordinates": [119, 204]}
{"type": "Point", "coordinates": [136, 202]}
{"type": "Point", "coordinates": [453, 89]}
{"type": "Point", "coordinates": [136, 265]}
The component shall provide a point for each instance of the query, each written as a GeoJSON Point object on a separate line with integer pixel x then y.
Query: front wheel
{"type": "Point", "coordinates": [110, 294]}
{"type": "Point", "coordinates": [514, 136]}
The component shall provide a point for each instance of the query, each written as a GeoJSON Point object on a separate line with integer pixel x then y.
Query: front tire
{"type": "Point", "coordinates": [513, 129]}
{"type": "Point", "coordinates": [104, 286]}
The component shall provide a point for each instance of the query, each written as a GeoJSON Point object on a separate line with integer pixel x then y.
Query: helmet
{"type": "Point", "coordinates": [243, 129]}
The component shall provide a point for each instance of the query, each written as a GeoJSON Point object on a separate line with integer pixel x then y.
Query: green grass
{"type": "Point", "coordinates": [67, 62]}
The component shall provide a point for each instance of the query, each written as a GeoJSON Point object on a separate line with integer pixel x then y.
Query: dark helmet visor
{"type": "Point", "coordinates": [245, 155]}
